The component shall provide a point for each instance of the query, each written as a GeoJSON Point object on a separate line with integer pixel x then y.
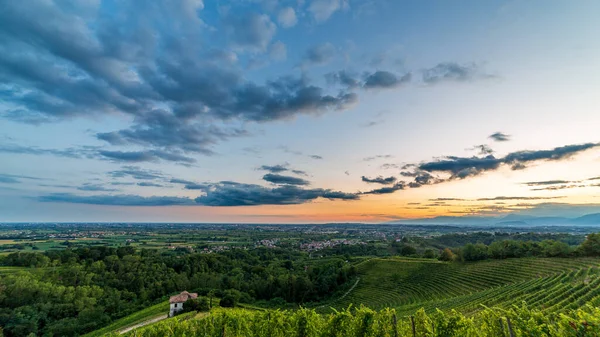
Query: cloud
{"type": "Point", "coordinates": [499, 137]}
{"type": "Point", "coordinates": [450, 71]}
{"type": "Point", "coordinates": [516, 198]}
{"type": "Point", "coordinates": [594, 178]}
{"type": "Point", "coordinates": [281, 179]}
{"type": "Point", "coordinates": [299, 172]}
{"type": "Point", "coordinates": [386, 190]}
{"type": "Point", "coordinates": [95, 188]}
{"type": "Point", "coordinates": [135, 172]}
{"type": "Point", "coordinates": [278, 51]}
{"type": "Point", "coordinates": [388, 166]}
{"type": "Point", "coordinates": [319, 55]}
{"type": "Point", "coordinates": [195, 186]}
{"type": "Point", "coordinates": [483, 149]}
{"type": "Point", "coordinates": [314, 156]}
{"type": "Point", "coordinates": [274, 168]}
{"type": "Point", "coordinates": [379, 180]}
{"type": "Point", "coordinates": [75, 153]}
{"type": "Point", "coordinates": [446, 199]}
{"type": "Point", "coordinates": [8, 180]}
{"type": "Point", "coordinates": [15, 178]}
{"type": "Point", "coordinates": [251, 30]}
{"type": "Point", "coordinates": [146, 156]}
{"type": "Point", "coordinates": [385, 80]}
{"type": "Point", "coordinates": [287, 17]}
{"type": "Point", "coordinates": [461, 167]}
{"type": "Point", "coordinates": [379, 156]}
{"type": "Point", "coordinates": [343, 78]}
{"type": "Point", "coordinates": [321, 10]}
{"type": "Point", "coordinates": [556, 188]}
{"type": "Point", "coordinates": [547, 182]}
{"type": "Point", "coordinates": [116, 200]}
{"type": "Point", "coordinates": [155, 71]}
{"type": "Point", "coordinates": [147, 184]}
{"type": "Point", "coordinates": [180, 181]}
{"type": "Point", "coordinates": [236, 194]}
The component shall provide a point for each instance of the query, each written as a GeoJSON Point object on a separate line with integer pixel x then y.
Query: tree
{"type": "Point", "coordinates": [230, 299]}
{"type": "Point", "coordinates": [429, 254]}
{"type": "Point", "coordinates": [447, 255]}
{"type": "Point", "coordinates": [197, 304]}
{"type": "Point", "coordinates": [407, 250]}
{"type": "Point", "coordinates": [591, 245]}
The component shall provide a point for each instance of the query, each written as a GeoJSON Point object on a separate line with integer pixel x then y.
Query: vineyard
{"type": "Point", "coordinates": [406, 285]}
{"type": "Point", "coordinates": [367, 322]}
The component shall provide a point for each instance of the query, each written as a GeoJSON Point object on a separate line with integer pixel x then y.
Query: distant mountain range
{"type": "Point", "coordinates": [508, 220]}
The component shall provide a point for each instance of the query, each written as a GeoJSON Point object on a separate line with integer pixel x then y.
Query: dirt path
{"type": "Point", "coordinates": [139, 325]}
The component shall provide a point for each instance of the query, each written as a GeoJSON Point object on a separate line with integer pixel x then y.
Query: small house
{"type": "Point", "coordinates": [176, 302]}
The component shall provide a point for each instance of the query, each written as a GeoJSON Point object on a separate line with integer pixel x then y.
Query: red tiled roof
{"type": "Point", "coordinates": [184, 296]}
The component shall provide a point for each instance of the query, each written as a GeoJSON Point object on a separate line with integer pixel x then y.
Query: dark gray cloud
{"type": "Point", "coordinates": [281, 179]}
{"type": "Point", "coordinates": [320, 54]}
{"type": "Point", "coordinates": [116, 200]}
{"type": "Point", "coordinates": [176, 90]}
{"type": "Point", "coordinates": [450, 71]}
{"type": "Point", "coordinates": [548, 182]}
{"type": "Point", "coordinates": [343, 78]}
{"type": "Point", "coordinates": [180, 181]}
{"type": "Point", "coordinates": [516, 198]}
{"type": "Point", "coordinates": [300, 172]}
{"type": "Point", "coordinates": [594, 178]}
{"type": "Point", "coordinates": [499, 137]}
{"type": "Point", "coordinates": [135, 172]}
{"type": "Point", "coordinates": [380, 180]}
{"type": "Point", "coordinates": [557, 187]}
{"type": "Point", "coordinates": [148, 184]}
{"type": "Point", "coordinates": [76, 153]}
{"type": "Point", "coordinates": [461, 167]}
{"type": "Point", "coordinates": [275, 168]}
{"type": "Point", "coordinates": [446, 199]}
{"type": "Point", "coordinates": [195, 186]}
{"type": "Point", "coordinates": [314, 156]}
{"type": "Point", "coordinates": [483, 149]}
{"type": "Point", "coordinates": [236, 194]}
{"type": "Point", "coordinates": [385, 80]}
{"type": "Point", "coordinates": [386, 190]}
{"type": "Point", "coordinates": [146, 156]}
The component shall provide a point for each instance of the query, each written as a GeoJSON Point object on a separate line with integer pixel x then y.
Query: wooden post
{"type": "Point", "coordinates": [395, 326]}
{"type": "Point", "coordinates": [510, 329]}
{"type": "Point", "coordinates": [414, 329]}
{"type": "Point", "coordinates": [501, 326]}
{"type": "Point", "coordinates": [223, 334]}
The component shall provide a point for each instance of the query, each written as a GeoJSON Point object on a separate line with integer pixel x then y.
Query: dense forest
{"type": "Point", "coordinates": [71, 292]}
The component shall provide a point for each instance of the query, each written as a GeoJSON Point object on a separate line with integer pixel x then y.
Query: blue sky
{"type": "Point", "coordinates": [297, 111]}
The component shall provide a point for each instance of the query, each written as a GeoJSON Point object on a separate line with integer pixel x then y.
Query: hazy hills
{"type": "Point", "coordinates": [508, 220]}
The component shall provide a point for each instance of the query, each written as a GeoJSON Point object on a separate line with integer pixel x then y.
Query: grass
{"type": "Point", "coordinates": [133, 319]}
{"type": "Point", "coordinates": [407, 284]}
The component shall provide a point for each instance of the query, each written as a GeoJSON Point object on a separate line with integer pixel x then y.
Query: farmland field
{"type": "Point", "coordinates": [549, 284]}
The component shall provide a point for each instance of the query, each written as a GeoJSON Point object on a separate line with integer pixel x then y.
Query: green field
{"type": "Point", "coordinates": [407, 285]}
{"type": "Point", "coordinates": [133, 319]}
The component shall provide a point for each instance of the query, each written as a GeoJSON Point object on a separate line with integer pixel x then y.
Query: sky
{"type": "Point", "coordinates": [300, 111]}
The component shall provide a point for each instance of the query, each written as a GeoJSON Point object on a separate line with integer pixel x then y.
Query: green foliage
{"type": "Point", "coordinates": [447, 255]}
{"type": "Point", "coordinates": [230, 299]}
{"type": "Point", "coordinates": [408, 284]}
{"type": "Point", "coordinates": [591, 245]}
{"type": "Point", "coordinates": [365, 322]}
{"type": "Point", "coordinates": [197, 304]}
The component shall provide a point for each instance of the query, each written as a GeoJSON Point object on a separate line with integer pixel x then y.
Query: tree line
{"type": "Point", "coordinates": [73, 291]}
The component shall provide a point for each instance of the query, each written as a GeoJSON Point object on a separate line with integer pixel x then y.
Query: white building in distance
{"type": "Point", "coordinates": [177, 301]}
